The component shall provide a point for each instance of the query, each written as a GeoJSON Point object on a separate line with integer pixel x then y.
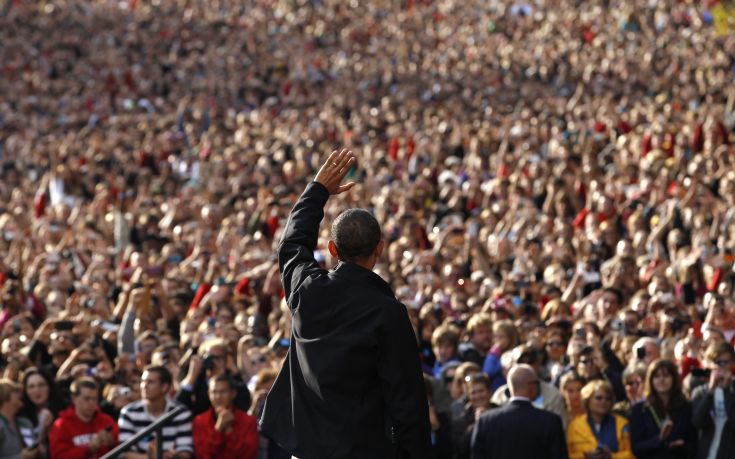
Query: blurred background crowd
{"type": "Point", "coordinates": [554, 179]}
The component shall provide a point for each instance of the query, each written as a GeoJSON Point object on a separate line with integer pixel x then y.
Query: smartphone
{"type": "Point", "coordinates": [64, 325]}
{"type": "Point", "coordinates": [701, 372]}
{"type": "Point", "coordinates": [640, 353]}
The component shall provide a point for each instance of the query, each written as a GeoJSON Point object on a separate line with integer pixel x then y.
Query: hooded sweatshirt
{"type": "Point", "coordinates": [70, 436]}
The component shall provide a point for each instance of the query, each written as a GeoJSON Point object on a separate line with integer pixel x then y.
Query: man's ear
{"type": "Point", "coordinates": [332, 249]}
{"type": "Point", "coordinates": [379, 249]}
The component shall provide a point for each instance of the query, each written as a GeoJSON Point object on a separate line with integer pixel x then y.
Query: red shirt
{"type": "Point", "coordinates": [70, 436]}
{"type": "Point", "coordinates": [241, 442]}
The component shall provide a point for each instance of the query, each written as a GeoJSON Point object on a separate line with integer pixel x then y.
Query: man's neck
{"type": "Point", "coordinates": [156, 407]}
{"type": "Point", "coordinates": [85, 419]}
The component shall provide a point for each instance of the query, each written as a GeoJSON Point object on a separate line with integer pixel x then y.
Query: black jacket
{"type": "Point", "coordinates": [644, 434]}
{"type": "Point", "coordinates": [702, 407]}
{"type": "Point", "coordinates": [351, 384]}
{"type": "Point", "coordinates": [519, 430]}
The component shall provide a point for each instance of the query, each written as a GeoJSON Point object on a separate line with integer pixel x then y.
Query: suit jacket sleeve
{"type": "Point", "coordinates": [402, 382]}
{"type": "Point", "coordinates": [557, 443]}
{"type": "Point", "coordinates": [477, 444]}
{"type": "Point", "coordinates": [296, 249]}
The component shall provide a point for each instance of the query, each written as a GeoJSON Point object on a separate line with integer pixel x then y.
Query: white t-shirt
{"type": "Point", "coordinates": [719, 416]}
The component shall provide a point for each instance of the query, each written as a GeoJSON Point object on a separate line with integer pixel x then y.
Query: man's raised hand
{"type": "Point", "coordinates": [334, 170]}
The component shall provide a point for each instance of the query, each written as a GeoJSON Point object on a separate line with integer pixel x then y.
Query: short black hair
{"type": "Point", "coordinates": [164, 376]}
{"type": "Point", "coordinates": [356, 233]}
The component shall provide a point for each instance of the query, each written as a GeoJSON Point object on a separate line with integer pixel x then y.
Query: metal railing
{"type": "Point", "coordinates": [157, 426]}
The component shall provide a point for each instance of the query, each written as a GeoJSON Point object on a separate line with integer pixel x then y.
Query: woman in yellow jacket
{"type": "Point", "coordinates": [599, 434]}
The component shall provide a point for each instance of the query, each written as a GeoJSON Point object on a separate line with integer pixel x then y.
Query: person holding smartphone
{"type": "Point", "coordinates": [83, 431]}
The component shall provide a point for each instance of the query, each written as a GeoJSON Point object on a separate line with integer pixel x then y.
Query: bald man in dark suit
{"type": "Point", "coordinates": [519, 430]}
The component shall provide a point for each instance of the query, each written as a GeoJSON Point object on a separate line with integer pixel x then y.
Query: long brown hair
{"type": "Point", "coordinates": [676, 396]}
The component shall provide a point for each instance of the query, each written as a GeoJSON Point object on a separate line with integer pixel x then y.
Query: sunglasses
{"type": "Point", "coordinates": [555, 344]}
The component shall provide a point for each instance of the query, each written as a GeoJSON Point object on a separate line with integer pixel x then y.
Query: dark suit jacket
{"type": "Point", "coordinates": [351, 385]}
{"type": "Point", "coordinates": [702, 407]}
{"type": "Point", "coordinates": [519, 430]}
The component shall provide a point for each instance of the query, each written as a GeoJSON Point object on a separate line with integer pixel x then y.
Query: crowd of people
{"type": "Point", "coordinates": [554, 178]}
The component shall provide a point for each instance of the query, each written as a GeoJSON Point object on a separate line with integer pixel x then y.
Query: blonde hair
{"type": "Point", "coordinates": [553, 307]}
{"type": "Point", "coordinates": [479, 320]}
{"type": "Point", "coordinates": [507, 327]}
{"type": "Point", "coordinates": [592, 387]}
{"type": "Point", "coordinates": [7, 387]}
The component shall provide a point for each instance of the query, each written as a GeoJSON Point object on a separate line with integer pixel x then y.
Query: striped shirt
{"type": "Point", "coordinates": [135, 417]}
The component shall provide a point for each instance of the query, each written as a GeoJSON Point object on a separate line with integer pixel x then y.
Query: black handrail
{"type": "Point", "coordinates": [157, 426]}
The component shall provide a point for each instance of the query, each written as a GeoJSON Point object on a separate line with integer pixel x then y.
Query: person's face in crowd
{"type": "Point", "coordinates": [587, 367]}
{"type": "Point", "coordinates": [501, 339]}
{"type": "Point", "coordinates": [221, 395]}
{"type": "Point", "coordinates": [479, 395]}
{"type": "Point", "coordinates": [572, 392]}
{"type": "Point", "coordinates": [652, 352]}
{"type": "Point", "coordinates": [555, 348]}
{"type": "Point", "coordinates": [219, 356]}
{"type": "Point", "coordinates": [609, 304]}
{"type": "Point", "coordinates": [662, 381]}
{"type": "Point", "coordinates": [151, 388]}
{"type": "Point", "coordinates": [601, 403]}
{"type": "Point", "coordinates": [147, 346]}
{"type": "Point", "coordinates": [633, 387]}
{"type": "Point", "coordinates": [85, 403]}
{"type": "Point", "coordinates": [119, 396]}
{"type": "Point", "coordinates": [37, 390]}
{"type": "Point", "coordinates": [258, 359]}
{"type": "Point", "coordinates": [723, 363]}
{"type": "Point", "coordinates": [444, 351]}
{"type": "Point", "coordinates": [224, 317]}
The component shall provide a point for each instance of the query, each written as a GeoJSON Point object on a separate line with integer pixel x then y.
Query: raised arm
{"type": "Point", "coordinates": [296, 249]}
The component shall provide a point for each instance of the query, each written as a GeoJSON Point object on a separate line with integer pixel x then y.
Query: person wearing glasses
{"type": "Point", "coordinates": [555, 347]}
{"type": "Point", "coordinates": [599, 434]}
{"type": "Point", "coordinates": [589, 367]}
{"type": "Point", "coordinates": [633, 380]}
{"type": "Point", "coordinates": [212, 360]}
{"type": "Point", "coordinates": [713, 404]}
{"type": "Point", "coordinates": [661, 425]}
{"type": "Point", "coordinates": [519, 429]}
